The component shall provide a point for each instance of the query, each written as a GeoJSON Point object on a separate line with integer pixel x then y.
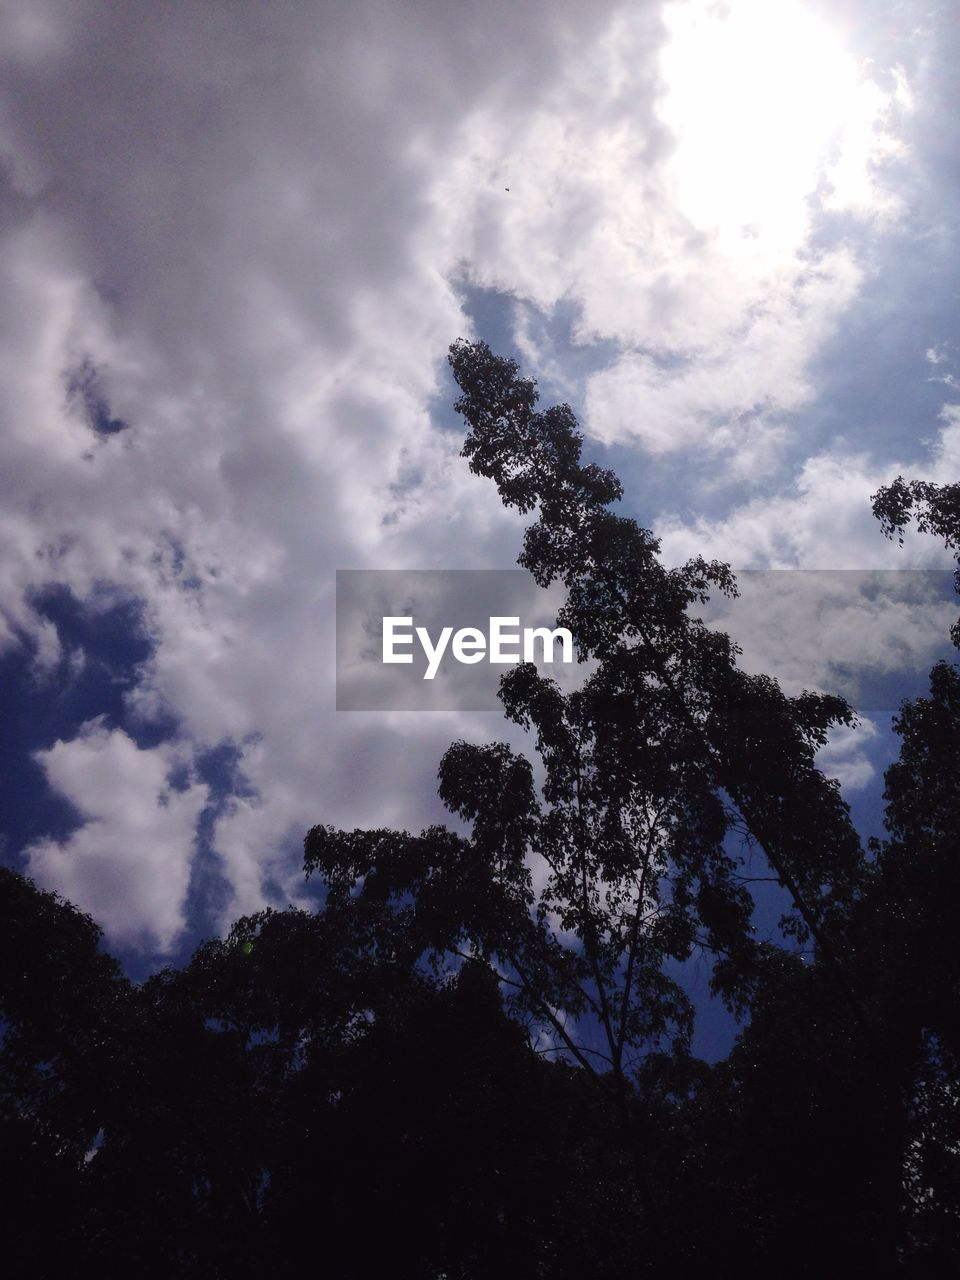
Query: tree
{"type": "Point", "coordinates": [663, 760]}
{"type": "Point", "coordinates": [936, 509]}
{"type": "Point", "coordinates": [654, 769]}
{"type": "Point", "coordinates": [296, 1089]}
{"type": "Point", "coordinates": [61, 1004]}
{"type": "Point", "coordinates": [474, 1059]}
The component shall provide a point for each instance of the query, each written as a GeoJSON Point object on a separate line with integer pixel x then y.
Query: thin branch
{"type": "Point", "coordinates": [635, 933]}
{"type": "Point", "coordinates": [589, 939]}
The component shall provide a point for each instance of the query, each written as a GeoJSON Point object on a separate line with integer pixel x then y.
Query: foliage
{"type": "Point", "coordinates": [474, 1060]}
{"type": "Point", "coordinates": [936, 509]}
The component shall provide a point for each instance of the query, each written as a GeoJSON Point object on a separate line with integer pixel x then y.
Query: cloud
{"type": "Point", "coordinates": [232, 235]}
{"type": "Point", "coordinates": [128, 863]}
{"type": "Point", "coordinates": [863, 635]}
{"type": "Point", "coordinates": [235, 245]}
{"type": "Point", "coordinates": [822, 519]}
{"type": "Point", "coordinates": [679, 204]}
{"type": "Point", "coordinates": [723, 395]}
{"type": "Point", "coordinates": [746, 299]}
{"type": "Point", "coordinates": [845, 758]}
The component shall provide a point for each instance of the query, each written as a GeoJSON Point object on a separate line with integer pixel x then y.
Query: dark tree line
{"type": "Point", "coordinates": [473, 1060]}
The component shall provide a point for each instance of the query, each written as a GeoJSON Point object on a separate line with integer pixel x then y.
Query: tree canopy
{"type": "Point", "coordinates": [475, 1058]}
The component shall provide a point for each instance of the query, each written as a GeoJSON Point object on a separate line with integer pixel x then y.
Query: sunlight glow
{"type": "Point", "coordinates": [767, 108]}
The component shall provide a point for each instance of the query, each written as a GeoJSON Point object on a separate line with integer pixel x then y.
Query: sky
{"type": "Point", "coordinates": [236, 241]}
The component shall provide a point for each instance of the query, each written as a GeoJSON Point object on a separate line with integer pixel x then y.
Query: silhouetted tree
{"type": "Point", "coordinates": [936, 509]}
{"type": "Point", "coordinates": [474, 1059]}
{"type": "Point", "coordinates": [653, 768]}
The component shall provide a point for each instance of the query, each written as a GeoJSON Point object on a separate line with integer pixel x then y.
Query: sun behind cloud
{"type": "Point", "coordinates": [766, 104]}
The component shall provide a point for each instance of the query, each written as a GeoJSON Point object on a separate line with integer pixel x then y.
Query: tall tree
{"type": "Point", "coordinates": [663, 775]}
{"type": "Point", "coordinates": [473, 1060]}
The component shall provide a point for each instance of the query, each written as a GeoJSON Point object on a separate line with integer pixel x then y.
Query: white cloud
{"type": "Point", "coordinates": [128, 864]}
{"type": "Point", "coordinates": [241, 221]}
{"type": "Point", "coordinates": [823, 518]}
{"type": "Point", "coordinates": [844, 757]}
{"type": "Point", "coordinates": [744, 299]}
{"type": "Point", "coordinates": [837, 631]}
{"type": "Point", "coordinates": [253, 223]}
{"type": "Point", "coordinates": [759, 367]}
